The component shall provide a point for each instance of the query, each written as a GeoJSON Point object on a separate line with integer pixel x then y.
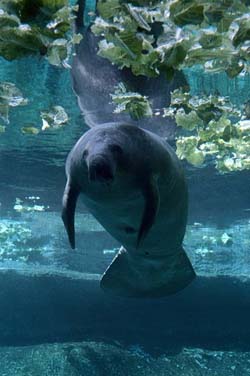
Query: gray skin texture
{"type": "Point", "coordinates": [132, 182]}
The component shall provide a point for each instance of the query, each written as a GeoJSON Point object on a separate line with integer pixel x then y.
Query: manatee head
{"type": "Point", "coordinates": [102, 159]}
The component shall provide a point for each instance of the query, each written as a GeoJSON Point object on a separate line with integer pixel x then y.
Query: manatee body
{"type": "Point", "coordinates": [132, 182]}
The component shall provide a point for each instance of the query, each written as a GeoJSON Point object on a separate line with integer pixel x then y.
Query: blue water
{"type": "Point", "coordinates": [51, 294]}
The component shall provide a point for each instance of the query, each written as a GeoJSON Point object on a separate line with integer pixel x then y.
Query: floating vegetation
{"type": "Point", "coordinates": [30, 130]}
{"type": "Point", "coordinates": [10, 96]}
{"type": "Point", "coordinates": [155, 37]}
{"type": "Point", "coordinates": [55, 118]}
{"type": "Point", "coordinates": [41, 28]}
{"type": "Point", "coordinates": [218, 130]}
{"type": "Point", "coordinates": [135, 104]}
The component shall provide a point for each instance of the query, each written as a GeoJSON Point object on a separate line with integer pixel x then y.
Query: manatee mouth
{"type": "Point", "coordinates": [99, 170]}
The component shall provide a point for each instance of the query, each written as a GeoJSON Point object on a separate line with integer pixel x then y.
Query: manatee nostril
{"type": "Point", "coordinates": [85, 153]}
{"type": "Point", "coordinates": [100, 171]}
{"type": "Point", "coordinates": [104, 172]}
{"type": "Point", "coordinates": [115, 149]}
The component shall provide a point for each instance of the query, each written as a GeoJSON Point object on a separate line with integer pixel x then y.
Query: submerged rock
{"type": "Point", "coordinates": [102, 359]}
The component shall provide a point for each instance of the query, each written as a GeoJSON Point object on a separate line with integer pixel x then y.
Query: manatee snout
{"type": "Point", "coordinates": [101, 169]}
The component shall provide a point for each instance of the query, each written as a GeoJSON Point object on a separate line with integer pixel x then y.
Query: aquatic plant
{"type": "Point", "coordinates": [37, 28]}
{"type": "Point", "coordinates": [217, 128]}
{"type": "Point", "coordinates": [135, 104]}
{"type": "Point", "coordinates": [10, 96]}
{"type": "Point", "coordinates": [30, 130]}
{"type": "Point", "coordinates": [54, 118]}
{"type": "Point", "coordinates": [150, 37]}
{"type": "Point", "coordinates": [159, 37]}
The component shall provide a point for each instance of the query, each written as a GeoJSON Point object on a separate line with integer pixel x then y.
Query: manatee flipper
{"type": "Point", "coordinates": [68, 213]}
{"type": "Point", "coordinates": [151, 195]}
{"type": "Point", "coordinates": [146, 277]}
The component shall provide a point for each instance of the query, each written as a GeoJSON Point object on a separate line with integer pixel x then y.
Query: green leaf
{"type": "Point", "coordinates": [196, 157]}
{"type": "Point", "coordinates": [135, 104]}
{"type": "Point", "coordinates": [8, 20]}
{"type": "Point", "coordinates": [54, 118]}
{"type": "Point", "coordinates": [244, 126]}
{"type": "Point", "coordinates": [210, 39]}
{"type": "Point", "coordinates": [101, 27]}
{"type": "Point", "coordinates": [4, 112]}
{"type": "Point", "coordinates": [58, 52]}
{"type": "Point", "coordinates": [188, 121]}
{"type": "Point", "coordinates": [243, 33]}
{"type": "Point", "coordinates": [76, 39]}
{"type": "Point", "coordinates": [10, 96]}
{"type": "Point", "coordinates": [125, 42]}
{"type": "Point", "coordinates": [235, 68]}
{"type": "Point", "coordinates": [22, 37]}
{"type": "Point", "coordinates": [2, 128]}
{"type": "Point", "coordinates": [186, 12]}
{"type": "Point", "coordinates": [186, 146]}
{"type": "Point", "coordinates": [113, 53]}
{"type": "Point", "coordinates": [138, 18]}
{"type": "Point", "coordinates": [180, 98]}
{"type": "Point", "coordinates": [54, 5]}
{"type": "Point", "coordinates": [30, 130]}
{"type": "Point", "coordinates": [42, 23]}
{"type": "Point", "coordinates": [173, 55]}
{"type": "Point", "coordinates": [107, 9]}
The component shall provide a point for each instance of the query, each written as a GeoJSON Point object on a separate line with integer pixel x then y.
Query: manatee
{"type": "Point", "coordinates": [133, 184]}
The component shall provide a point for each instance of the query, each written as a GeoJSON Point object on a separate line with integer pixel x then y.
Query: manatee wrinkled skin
{"type": "Point", "coordinates": [132, 182]}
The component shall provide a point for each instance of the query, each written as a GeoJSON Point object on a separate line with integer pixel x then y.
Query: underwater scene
{"type": "Point", "coordinates": [125, 188]}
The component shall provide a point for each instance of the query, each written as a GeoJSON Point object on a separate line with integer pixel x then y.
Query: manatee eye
{"type": "Point", "coordinates": [115, 149]}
